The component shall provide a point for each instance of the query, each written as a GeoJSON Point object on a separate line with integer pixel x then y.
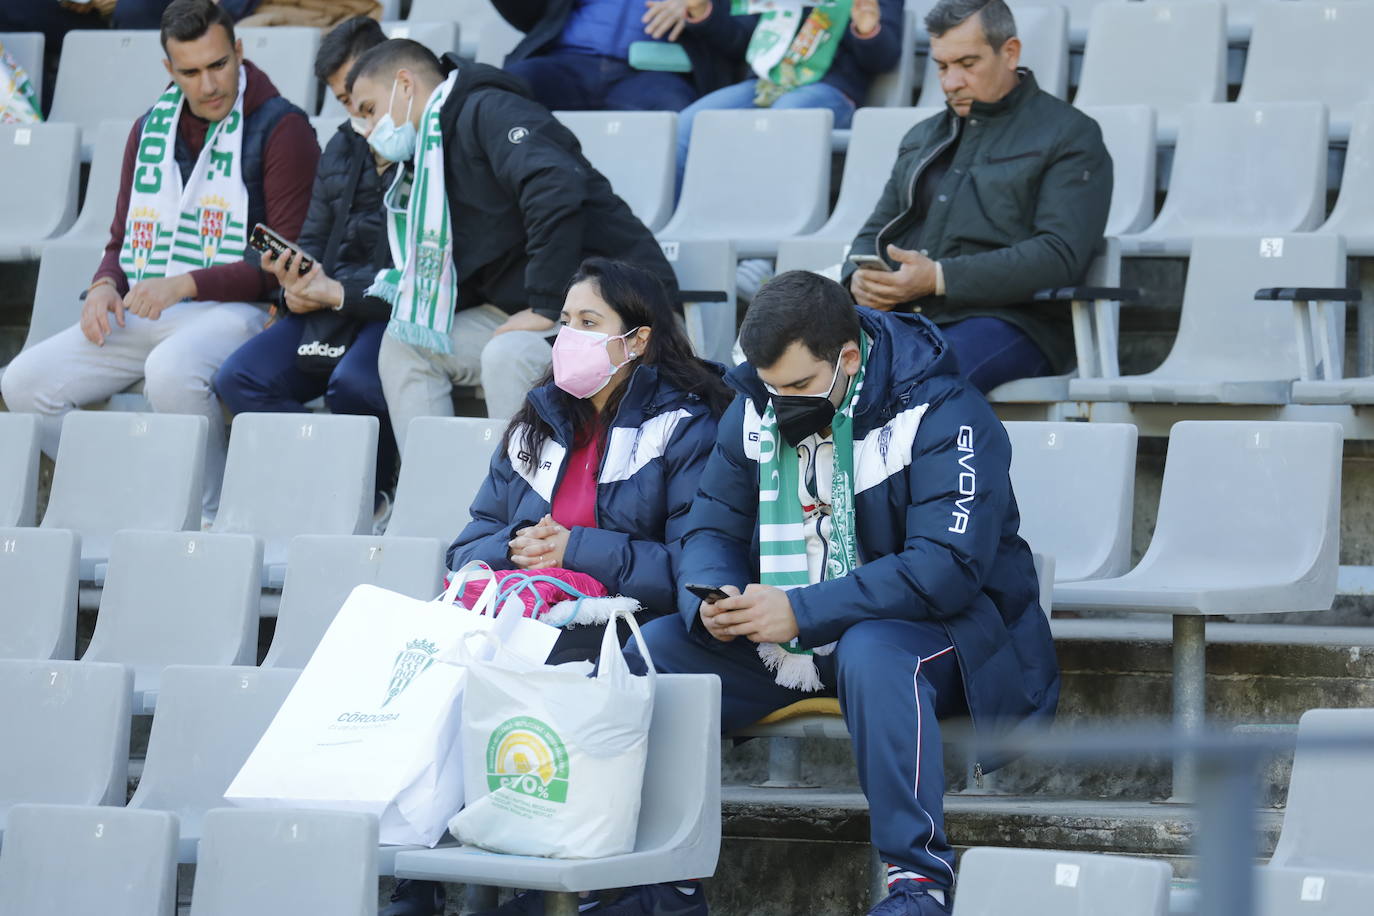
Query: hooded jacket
{"type": "Point", "coordinates": [654, 452]}
{"type": "Point", "coordinates": [526, 205]}
{"type": "Point", "coordinates": [935, 516]}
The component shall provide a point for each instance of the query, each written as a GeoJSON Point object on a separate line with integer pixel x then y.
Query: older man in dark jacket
{"type": "Point", "coordinates": [1004, 193]}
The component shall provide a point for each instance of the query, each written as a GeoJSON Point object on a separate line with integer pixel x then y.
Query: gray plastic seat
{"type": "Point", "coordinates": [64, 859]}
{"type": "Point", "coordinates": [327, 124]}
{"type": "Point", "coordinates": [496, 38]}
{"type": "Point", "coordinates": [445, 463]}
{"type": "Point", "coordinates": [471, 15]}
{"type": "Point", "coordinates": [27, 50]}
{"type": "Point", "coordinates": [1080, 16]}
{"type": "Point", "coordinates": [1248, 523]}
{"type": "Point", "coordinates": [64, 270]}
{"type": "Point", "coordinates": [160, 460]}
{"type": "Point", "coordinates": [896, 87]}
{"type": "Point", "coordinates": [287, 55]}
{"type": "Point", "coordinates": [18, 469]}
{"type": "Point", "coordinates": [873, 141]}
{"type": "Point", "coordinates": [1312, 52]}
{"type": "Point", "coordinates": [85, 95]}
{"type": "Point", "coordinates": [38, 582]}
{"type": "Point", "coordinates": [707, 264]}
{"type": "Point", "coordinates": [440, 36]}
{"type": "Point", "coordinates": [995, 881]}
{"type": "Point", "coordinates": [1257, 168]}
{"type": "Point", "coordinates": [1127, 40]}
{"type": "Point", "coordinates": [277, 862]}
{"type": "Point", "coordinates": [1075, 488]}
{"type": "Point", "coordinates": [323, 570]}
{"type": "Point", "coordinates": [182, 598]}
{"type": "Point", "coordinates": [66, 728]}
{"type": "Point", "coordinates": [1352, 216]}
{"type": "Point", "coordinates": [679, 817]}
{"type": "Point", "coordinates": [1231, 349]}
{"type": "Point", "coordinates": [102, 189]}
{"type": "Point", "coordinates": [208, 721]}
{"type": "Point", "coordinates": [1312, 892]}
{"type": "Point", "coordinates": [1128, 132]}
{"type": "Point", "coordinates": [1044, 34]}
{"type": "Point", "coordinates": [726, 195]}
{"type": "Point", "coordinates": [636, 151]}
{"type": "Point", "coordinates": [288, 474]}
{"type": "Point", "coordinates": [43, 204]}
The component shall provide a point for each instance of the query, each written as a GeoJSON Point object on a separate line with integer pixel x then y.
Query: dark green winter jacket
{"type": "Point", "coordinates": [1021, 208]}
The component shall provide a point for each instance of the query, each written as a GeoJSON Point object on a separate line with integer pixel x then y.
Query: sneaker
{"type": "Point", "coordinates": [531, 903]}
{"type": "Point", "coordinates": [381, 512]}
{"type": "Point", "coordinates": [911, 898]}
{"type": "Point", "coordinates": [750, 276]}
{"type": "Point", "coordinates": [659, 900]}
{"type": "Point", "coordinates": [416, 898]}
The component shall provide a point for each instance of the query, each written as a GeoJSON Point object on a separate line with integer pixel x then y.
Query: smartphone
{"type": "Point", "coordinates": [870, 261]}
{"type": "Point", "coordinates": [268, 242]}
{"type": "Point", "coordinates": [707, 593]}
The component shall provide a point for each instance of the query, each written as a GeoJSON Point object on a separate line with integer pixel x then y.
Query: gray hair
{"type": "Point", "coordinates": [998, 23]}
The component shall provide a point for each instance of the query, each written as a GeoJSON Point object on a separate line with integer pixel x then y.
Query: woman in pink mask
{"type": "Point", "coordinates": [599, 468]}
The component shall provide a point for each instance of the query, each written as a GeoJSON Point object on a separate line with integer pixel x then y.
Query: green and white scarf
{"type": "Point", "coordinates": [171, 229]}
{"type": "Point", "coordinates": [786, 52]}
{"type": "Point", "coordinates": [18, 101]}
{"type": "Point", "coordinates": [782, 537]}
{"type": "Point", "coordinates": [422, 288]}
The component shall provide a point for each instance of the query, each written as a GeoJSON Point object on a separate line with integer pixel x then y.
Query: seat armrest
{"type": "Point", "coordinates": [1307, 294]}
{"type": "Point", "coordinates": [1088, 293]}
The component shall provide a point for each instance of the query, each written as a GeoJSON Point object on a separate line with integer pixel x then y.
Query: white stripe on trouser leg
{"type": "Point", "coordinates": [916, 789]}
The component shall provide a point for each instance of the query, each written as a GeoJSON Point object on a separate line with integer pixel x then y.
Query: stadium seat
{"type": "Point", "coordinates": [85, 95]}
{"type": "Point", "coordinates": [64, 271]}
{"type": "Point", "coordinates": [679, 816]}
{"type": "Point", "coordinates": [43, 204]}
{"type": "Point", "coordinates": [288, 474]}
{"type": "Point", "coordinates": [286, 862]}
{"type": "Point", "coordinates": [1352, 216]}
{"type": "Point", "coordinates": [179, 598]}
{"type": "Point", "coordinates": [18, 469]}
{"type": "Point", "coordinates": [287, 55]}
{"type": "Point", "coordinates": [1130, 39]}
{"type": "Point", "coordinates": [1253, 168]}
{"type": "Point", "coordinates": [66, 728]}
{"type": "Point", "coordinates": [1231, 349]}
{"type": "Point", "coordinates": [63, 859]}
{"type": "Point", "coordinates": [1046, 882]}
{"type": "Point", "coordinates": [1312, 892]}
{"type": "Point", "coordinates": [326, 125]}
{"type": "Point", "coordinates": [873, 141]}
{"type": "Point", "coordinates": [445, 464]}
{"type": "Point", "coordinates": [102, 188]}
{"type": "Point", "coordinates": [1128, 132]}
{"type": "Point", "coordinates": [471, 15]}
{"type": "Point", "coordinates": [1075, 489]}
{"type": "Point", "coordinates": [495, 39]}
{"type": "Point", "coordinates": [119, 471]}
{"type": "Point", "coordinates": [440, 36]}
{"type": "Point", "coordinates": [896, 87]}
{"type": "Point", "coordinates": [1248, 523]}
{"type": "Point", "coordinates": [27, 50]}
{"type": "Point", "coordinates": [38, 572]}
{"type": "Point", "coordinates": [726, 196]}
{"type": "Point", "coordinates": [1044, 34]}
{"type": "Point", "coordinates": [208, 721]}
{"type": "Point", "coordinates": [1312, 52]}
{"type": "Point", "coordinates": [707, 265]}
{"type": "Point", "coordinates": [323, 571]}
{"type": "Point", "coordinates": [636, 151]}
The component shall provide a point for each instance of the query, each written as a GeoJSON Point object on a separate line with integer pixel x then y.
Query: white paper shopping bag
{"type": "Point", "coordinates": [372, 724]}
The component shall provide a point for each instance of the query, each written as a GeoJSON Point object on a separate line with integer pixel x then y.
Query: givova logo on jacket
{"type": "Point", "coordinates": [525, 755]}
{"type": "Point", "coordinates": [410, 663]}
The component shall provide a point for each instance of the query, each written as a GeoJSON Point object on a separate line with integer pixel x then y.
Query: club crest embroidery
{"type": "Point", "coordinates": [411, 662]}
{"type": "Point", "coordinates": [143, 238]}
{"type": "Point", "coordinates": [213, 217]}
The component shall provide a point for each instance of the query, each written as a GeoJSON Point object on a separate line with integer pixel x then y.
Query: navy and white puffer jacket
{"type": "Point", "coordinates": [654, 453]}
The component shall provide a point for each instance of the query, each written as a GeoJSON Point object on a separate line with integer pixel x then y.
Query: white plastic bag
{"type": "Point", "coordinates": [554, 760]}
{"type": "Point", "coordinates": [372, 724]}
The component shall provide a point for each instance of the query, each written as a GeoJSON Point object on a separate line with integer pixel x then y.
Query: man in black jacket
{"type": "Point", "coordinates": [525, 208]}
{"type": "Point", "coordinates": [1004, 193]}
{"type": "Point", "coordinates": [326, 339]}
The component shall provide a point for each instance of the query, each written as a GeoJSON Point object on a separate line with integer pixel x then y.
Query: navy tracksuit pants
{"type": "Point", "coordinates": [895, 680]}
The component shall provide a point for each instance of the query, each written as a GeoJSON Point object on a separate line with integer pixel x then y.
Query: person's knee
{"type": "Point", "coordinates": [175, 383]}
{"type": "Point", "coordinates": [235, 384]}
{"type": "Point", "coordinates": [866, 647]}
{"type": "Point", "coordinates": [21, 385]}
{"type": "Point", "coordinates": [354, 393]}
{"type": "Point", "coordinates": [514, 362]}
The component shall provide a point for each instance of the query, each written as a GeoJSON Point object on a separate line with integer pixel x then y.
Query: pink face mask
{"type": "Point", "coordinates": [581, 364]}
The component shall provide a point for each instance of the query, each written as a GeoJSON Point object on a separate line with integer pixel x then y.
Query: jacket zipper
{"type": "Point", "coordinates": [911, 190]}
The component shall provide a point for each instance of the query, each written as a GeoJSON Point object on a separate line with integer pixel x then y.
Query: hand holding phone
{"type": "Point", "coordinates": [869, 261]}
{"type": "Point", "coordinates": [708, 593]}
{"type": "Point", "coordinates": [270, 243]}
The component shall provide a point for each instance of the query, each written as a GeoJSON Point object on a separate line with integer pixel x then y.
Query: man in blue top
{"type": "Point", "coordinates": [858, 514]}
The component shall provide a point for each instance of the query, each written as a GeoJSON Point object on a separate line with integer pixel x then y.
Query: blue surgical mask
{"type": "Point", "coordinates": [396, 144]}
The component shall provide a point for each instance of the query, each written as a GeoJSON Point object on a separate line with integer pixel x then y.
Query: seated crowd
{"type": "Point", "coordinates": [845, 491]}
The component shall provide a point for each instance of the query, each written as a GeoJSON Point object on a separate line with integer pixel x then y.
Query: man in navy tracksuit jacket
{"type": "Point", "coordinates": [941, 615]}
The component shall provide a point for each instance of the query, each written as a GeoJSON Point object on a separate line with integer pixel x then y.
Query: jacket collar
{"type": "Point", "coordinates": [1024, 89]}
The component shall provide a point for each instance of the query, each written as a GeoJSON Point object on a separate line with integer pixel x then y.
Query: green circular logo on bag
{"type": "Point", "coordinates": [526, 756]}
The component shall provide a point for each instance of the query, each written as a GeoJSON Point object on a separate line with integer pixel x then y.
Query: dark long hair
{"type": "Point", "coordinates": [640, 300]}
